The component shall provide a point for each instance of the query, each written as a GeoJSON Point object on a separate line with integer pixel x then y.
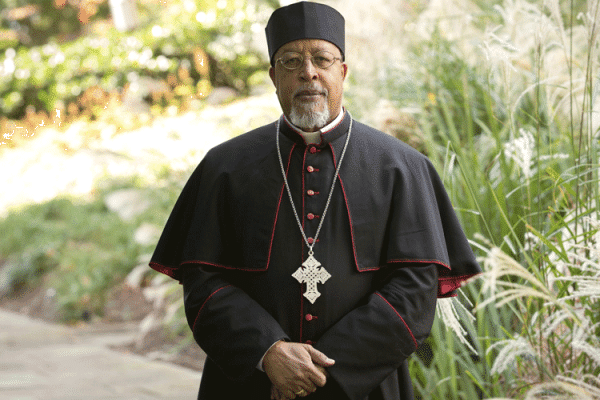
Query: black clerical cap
{"type": "Point", "coordinates": [304, 20]}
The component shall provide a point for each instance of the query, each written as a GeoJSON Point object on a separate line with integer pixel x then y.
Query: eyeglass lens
{"type": "Point", "coordinates": [321, 59]}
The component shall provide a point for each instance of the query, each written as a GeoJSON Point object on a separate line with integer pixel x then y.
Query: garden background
{"type": "Point", "coordinates": [101, 128]}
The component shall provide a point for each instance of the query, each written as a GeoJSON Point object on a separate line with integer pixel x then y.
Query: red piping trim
{"type": "Point", "coordinates": [288, 123]}
{"type": "Point", "coordinates": [422, 261]}
{"type": "Point", "coordinates": [163, 269]}
{"type": "Point", "coordinates": [168, 270]}
{"type": "Point", "coordinates": [303, 194]}
{"type": "Point", "coordinates": [447, 284]}
{"type": "Point", "coordinates": [301, 311]}
{"type": "Point", "coordinates": [447, 296]}
{"type": "Point", "coordinates": [352, 232]}
{"type": "Point", "coordinates": [295, 129]}
{"type": "Point", "coordinates": [302, 245]}
{"type": "Point", "coordinates": [278, 207]}
{"type": "Point", "coordinates": [336, 125]}
{"type": "Point", "coordinates": [349, 219]}
{"type": "Point", "coordinates": [402, 319]}
{"type": "Point", "coordinates": [456, 278]}
{"type": "Point", "coordinates": [222, 266]}
{"type": "Point", "coordinates": [203, 304]}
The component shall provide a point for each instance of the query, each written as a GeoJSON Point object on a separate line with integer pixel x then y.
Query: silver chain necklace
{"type": "Point", "coordinates": [311, 274]}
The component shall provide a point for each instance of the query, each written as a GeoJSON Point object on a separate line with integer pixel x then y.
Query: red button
{"type": "Point", "coordinates": [308, 317]}
{"type": "Point", "coordinates": [310, 168]}
{"type": "Point", "coordinates": [310, 192]}
{"type": "Point", "coordinates": [310, 216]}
{"type": "Point", "coordinates": [310, 240]}
{"type": "Point", "coordinates": [313, 150]}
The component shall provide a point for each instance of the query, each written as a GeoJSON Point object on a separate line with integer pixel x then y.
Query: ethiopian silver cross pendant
{"type": "Point", "coordinates": [312, 274]}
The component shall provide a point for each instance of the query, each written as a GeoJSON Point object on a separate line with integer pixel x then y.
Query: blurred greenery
{"type": "Point", "coordinates": [82, 246]}
{"type": "Point", "coordinates": [34, 22]}
{"type": "Point", "coordinates": [78, 247]}
{"type": "Point", "coordinates": [190, 46]}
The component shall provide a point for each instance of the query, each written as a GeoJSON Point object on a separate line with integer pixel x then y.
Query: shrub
{"type": "Point", "coordinates": [82, 247]}
{"type": "Point", "coordinates": [187, 49]}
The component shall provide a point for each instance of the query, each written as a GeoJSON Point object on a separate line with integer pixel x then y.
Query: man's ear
{"type": "Point", "coordinates": [344, 70]}
{"type": "Point", "coordinates": [272, 75]}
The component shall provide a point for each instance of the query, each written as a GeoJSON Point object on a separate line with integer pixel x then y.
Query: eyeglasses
{"type": "Point", "coordinates": [292, 60]}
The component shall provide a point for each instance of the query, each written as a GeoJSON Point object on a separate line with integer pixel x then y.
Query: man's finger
{"type": "Point", "coordinates": [316, 377]}
{"type": "Point", "coordinates": [290, 367]}
{"type": "Point", "coordinates": [310, 387]}
{"type": "Point", "coordinates": [277, 394]}
{"type": "Point", "coordinates": [303, 392]}
{"type": "Point", "coordinates": [323, 370]}
{"type": "Point", "coordinates": [320, 358]}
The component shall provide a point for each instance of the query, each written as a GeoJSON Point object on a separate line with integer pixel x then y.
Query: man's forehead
{"type": "Point", "coordinates": [309, 45]}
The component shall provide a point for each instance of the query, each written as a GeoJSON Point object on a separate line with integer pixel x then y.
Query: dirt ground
{"type": "Point", "coordinates": [125, 306]}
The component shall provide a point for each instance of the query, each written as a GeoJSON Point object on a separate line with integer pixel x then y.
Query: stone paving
{"type": "Point", "coordinates": [42, 361]}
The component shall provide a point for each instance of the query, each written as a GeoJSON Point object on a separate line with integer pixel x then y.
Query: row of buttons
{"type": "Point", "coordinates": [311, 216]}
{"type": "Point", "coordinates": [311, 169]}
{"type": "Point", "coordinates": [309, 317]}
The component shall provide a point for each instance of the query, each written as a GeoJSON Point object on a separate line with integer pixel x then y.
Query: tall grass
{"type": "Point", "coordinates": [510, 119]}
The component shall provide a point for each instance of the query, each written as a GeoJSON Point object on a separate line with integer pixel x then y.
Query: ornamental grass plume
{"type": "Point", "coordinates": [446, 311]}
{"type": "Point", "coordinates": [556, 349]}
{"type": "Point", "coordinates": [514, 130]}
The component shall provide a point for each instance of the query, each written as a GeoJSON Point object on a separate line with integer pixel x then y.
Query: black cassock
{"type": "Point", "coordinates": [390, 240]}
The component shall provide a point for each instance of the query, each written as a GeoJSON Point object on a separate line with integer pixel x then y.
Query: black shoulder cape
{"type": "Point", "coordinates": [397, 206]}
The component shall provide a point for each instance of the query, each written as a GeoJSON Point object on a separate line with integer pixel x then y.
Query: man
{"type": "Point", "coordinates": [311, 250]}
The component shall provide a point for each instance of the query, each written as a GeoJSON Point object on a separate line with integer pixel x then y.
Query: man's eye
{"type": "Point", "coordinates": [321, 60]}
{"type": "Point", "coordinates": [289, 62]}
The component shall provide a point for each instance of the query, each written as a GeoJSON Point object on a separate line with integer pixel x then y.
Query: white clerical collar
{"type": "Point", "coordinates": [315, 137]}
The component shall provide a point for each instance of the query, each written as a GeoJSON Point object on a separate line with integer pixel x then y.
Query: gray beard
{"type": "Point", "coordinates": [308, 119]}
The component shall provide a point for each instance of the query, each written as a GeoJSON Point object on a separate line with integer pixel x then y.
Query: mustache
{"type": "Point", "coordinates": [310, 90]}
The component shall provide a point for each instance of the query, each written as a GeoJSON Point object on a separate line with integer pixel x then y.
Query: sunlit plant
{"type": "Point", "coordinates": [507, 111]}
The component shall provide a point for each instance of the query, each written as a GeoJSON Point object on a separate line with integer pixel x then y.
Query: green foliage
{"type": "Point", "coordinates": [213, 45]}
{"type": "Point", "coordinates": [80, 249]}
{"type": "Point", "coordinates": [83, 247]}
{"type": "Point", "coordinates": [507, 122]}
{"type": "Point", "coordinates": [33, 22]}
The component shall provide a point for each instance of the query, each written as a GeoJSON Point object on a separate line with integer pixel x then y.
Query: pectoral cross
{"type": "Point", "coordinates": [311, 275]}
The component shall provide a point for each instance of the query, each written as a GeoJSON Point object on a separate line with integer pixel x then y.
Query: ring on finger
{"type": "Point", "coordinates": [301, 392]}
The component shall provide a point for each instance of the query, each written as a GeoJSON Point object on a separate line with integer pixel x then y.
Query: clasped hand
{"type": "Point", "coordinates": [295, 369]}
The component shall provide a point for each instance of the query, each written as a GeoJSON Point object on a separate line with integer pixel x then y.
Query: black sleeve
{"type": "Point", "coordinates": [371, 341]}
{"type": "Point", "coordinates": [231, 327]}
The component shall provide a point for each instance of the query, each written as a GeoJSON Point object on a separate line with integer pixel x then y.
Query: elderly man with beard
{"type": "Point", "coordinates": [312, 250]}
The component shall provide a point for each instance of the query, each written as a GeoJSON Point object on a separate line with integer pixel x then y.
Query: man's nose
{"type": "Point", "coordinates": [308, 71]}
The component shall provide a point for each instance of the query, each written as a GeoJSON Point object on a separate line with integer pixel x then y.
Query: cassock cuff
{"type": "Point", "coordinates": [260, 363]}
